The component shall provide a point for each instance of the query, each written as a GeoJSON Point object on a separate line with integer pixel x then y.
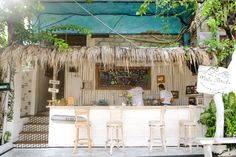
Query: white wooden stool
{"type": "Point", "coordinates": [189, 127]}
{"type": "Point", "coordinates": [115, 128]}
{"type": "Point", "coordinates": [155, 124]}
{"type": "Point", "coordinates": [82, 121]}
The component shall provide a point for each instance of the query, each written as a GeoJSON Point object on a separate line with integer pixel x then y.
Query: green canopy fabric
{"type": "Point", "coordinates": [119, 15]}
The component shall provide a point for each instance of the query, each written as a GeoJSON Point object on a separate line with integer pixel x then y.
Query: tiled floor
{"type": "Point", "coordinates": [100, 152]}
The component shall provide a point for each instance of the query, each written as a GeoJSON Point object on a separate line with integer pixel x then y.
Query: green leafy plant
{"type": "Point", "coordinates": [49, 35]}
{"type": "Point", "coordinates": [221, 49]}
{"type": "Point", "coordinates": [6, 136]}
{"type": "Point", "coordinates": [208, 117]}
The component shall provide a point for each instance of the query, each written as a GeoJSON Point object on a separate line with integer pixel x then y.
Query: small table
{"type": "Point", "coordinates": [208, 142]}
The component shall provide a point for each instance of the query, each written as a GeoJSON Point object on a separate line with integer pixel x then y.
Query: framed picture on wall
{"type": "Point", "coordinates": [192, 101]}
{"type": "Point", "coordinates": [73, 69]}
{"type": "Point", "coordinates": [160, 79]}
{"type": "Point", "coordinates": [190, 90]}
{"type": "Point", "coordinates": [199, 100]}
{"type": "Point", "coordinates": [175, 94]}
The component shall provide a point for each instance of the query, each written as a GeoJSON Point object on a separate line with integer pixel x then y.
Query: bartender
{"type": "Point", "coordinates": [137, 96]}
{"type": "Point", "coordinates": [166, 96]}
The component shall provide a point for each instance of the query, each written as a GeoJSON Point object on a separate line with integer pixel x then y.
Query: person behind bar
{"type": "Point", "coordinates": [137, 96]}
{"type": "Point", "coordinates": [166, 97]}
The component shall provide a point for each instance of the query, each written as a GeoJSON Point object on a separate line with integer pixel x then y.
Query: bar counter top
{"type": "Point", "coordinates": [124, 107]}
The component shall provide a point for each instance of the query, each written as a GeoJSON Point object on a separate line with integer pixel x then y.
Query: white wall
{"type": "Point", "coordinates": [16, 125]}
{"type": "Point", "coordinates": [176, 78]}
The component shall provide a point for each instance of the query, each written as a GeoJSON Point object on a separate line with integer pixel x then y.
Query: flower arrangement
{"type": "Point", "coordinates": [128, 97]}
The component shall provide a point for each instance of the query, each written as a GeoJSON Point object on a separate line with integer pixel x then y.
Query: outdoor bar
{"type": "Point", "coordinates": [97, 83]}
{"type": "Point", "coordinates": [135, 121]}
{"type": "Point", "coordinates": [97, 78]}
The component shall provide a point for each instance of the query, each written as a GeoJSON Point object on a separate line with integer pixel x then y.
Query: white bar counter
{"type": "Point", "coordinates": [135, 121]}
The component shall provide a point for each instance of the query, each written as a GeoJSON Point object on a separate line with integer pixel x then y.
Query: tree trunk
{"type": "Point", "coordinates": [11, 31]}
{"type": "Point", "coordinates": [228, 32]}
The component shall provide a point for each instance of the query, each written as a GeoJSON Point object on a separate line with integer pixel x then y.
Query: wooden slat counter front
{"type": "Point", "coordinates": [135, 120]}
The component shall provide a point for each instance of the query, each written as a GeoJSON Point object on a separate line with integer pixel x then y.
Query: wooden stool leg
{"type": "Point", "coordinates": [163, 138]}
{"type": "Point", "coordinates": [112, 141]}
{"type": "Point", "coordinates": [151, 138]}
{"type": "Point", "coordinates": [190, 138]}
{"type": "Point", "coordinates": [122, 137]}
{"type": "Point", "coordinates": [179, 139]}
{"type": "Point", "coordinates": [185, 135]}
{"type": "Point", "coordinates": [108, 135]}
{"type": "Point", "coordinates": [117, 136]}
{"type": "Point", "coordinates": [195, 135]}
{"type": "Point", "coordinates": [76, 139]}
{"type": "Point", "coordinates": [89, 139]}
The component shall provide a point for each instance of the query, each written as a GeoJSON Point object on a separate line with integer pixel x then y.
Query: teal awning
{"type": "Point", "coordinates": [119, 15]}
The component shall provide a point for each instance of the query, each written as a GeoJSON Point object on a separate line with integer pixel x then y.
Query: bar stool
{"type": "Point", "coordinates": [82, 121]}
{"type": "Point", "coordinates": [189, 127]}
{"type": "Point", "coordinates": [115, 128]}
{"type": "Point", "coordinates": [155, 124]}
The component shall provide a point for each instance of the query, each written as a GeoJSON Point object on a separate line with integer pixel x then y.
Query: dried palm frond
{"type": "Point", "coordinates": [48, 56]}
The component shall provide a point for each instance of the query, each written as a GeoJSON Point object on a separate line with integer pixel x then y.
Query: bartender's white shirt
{"type": "Point", "coordinates": [137, 97]}
{"type": "Point", "coordinates": [166, 95]}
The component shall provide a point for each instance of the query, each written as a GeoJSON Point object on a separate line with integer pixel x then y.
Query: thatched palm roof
{"type": "Point", "coordinates": [107, 55]}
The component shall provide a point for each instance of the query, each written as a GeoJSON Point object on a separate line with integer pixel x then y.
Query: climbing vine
{"type": "Point", "coordinates": [16, 23]}
{"type": "Point", "coordinates": [11, 95]}
{"type": "Point", "coordinates": [220, 15]}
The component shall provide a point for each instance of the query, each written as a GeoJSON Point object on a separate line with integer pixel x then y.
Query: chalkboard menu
{"type": "Point", "coordinates": [123, 78]}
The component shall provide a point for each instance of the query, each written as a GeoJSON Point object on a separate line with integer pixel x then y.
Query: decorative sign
{"type": "Point", "coordinates": [54, 82]}
{"type": "Point", "coordinates": [212, 80]}
{"type": "Point", "coordinates": [53, 90]}
{"type": "Point", "coordinates": [63, 118]}
{"type": "Point", "coordinates": [121, 78]}
{"type": "Point", "coordinates": [5, 86]}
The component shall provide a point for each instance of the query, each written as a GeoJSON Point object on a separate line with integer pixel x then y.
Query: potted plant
{"type": "Point", "coordinates": [208, 118]}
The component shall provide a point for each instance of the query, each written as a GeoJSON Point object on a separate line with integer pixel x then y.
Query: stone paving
{"type": "Point", "coordinates": [100, 152]}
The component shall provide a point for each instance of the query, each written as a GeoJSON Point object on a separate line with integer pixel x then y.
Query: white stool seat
{"type": "Point", "coordinates": [155, 123]}
{"type": "Point", "coordinates": [187, 122]}
{"type": "Point", "coordinates": [114, 124]}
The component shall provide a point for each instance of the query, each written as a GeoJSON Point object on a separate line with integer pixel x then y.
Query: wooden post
{"type": "Point", "coordinates": [55, 74]}
{"type": "Point", "coordinates": [219, 115]}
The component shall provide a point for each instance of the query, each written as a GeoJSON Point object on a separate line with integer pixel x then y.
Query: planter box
{"type": "Point", "coordinates": [218, 149]}
{"type": "Point", "coordinates": [231, 153]}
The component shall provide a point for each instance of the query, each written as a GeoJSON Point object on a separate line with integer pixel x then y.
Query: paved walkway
{"type": "Point", "coordinates": [100, 152]}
